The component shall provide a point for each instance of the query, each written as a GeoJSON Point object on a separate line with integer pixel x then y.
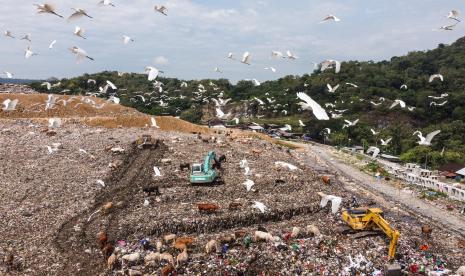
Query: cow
{"type": "Point", "coordinates": [182, 257]}
{"type": "Point", "coordinates": [108, 250]}
{"type": "Point", "coordinates": [426, 230]}
{"type": "Point", "coordinates": [106, 208]}
{"type": "Point", "coordinates": [183, 166]}
{"type": "Point", "coordinates": [150, 190]}
{"type": "Point", "coordinates": [222, 158]}
{"type": "Point", "coordinates": [102, 239]}
{"type": "Point", "coordinates": [212, 246]}
{"type": "Point", "coordinates": [234, 206]}
{"type": "Point", "coordinates": [207, 207]}
{"type": "Point", "coordinates": [264, 236]}
{"type": "Point", "coordinates": [182, 243]}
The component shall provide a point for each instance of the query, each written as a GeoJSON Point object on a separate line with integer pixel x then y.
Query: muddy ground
{"type": "Point", "coordinates": [47, 199]}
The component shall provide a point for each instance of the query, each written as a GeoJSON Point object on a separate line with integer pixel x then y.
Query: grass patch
{"type": "Point", "coordinates": [286, 144]}
{"type": "Point", "coordinates": [359, 157]}
{"type": "Point", "coordinates": [374, 167]}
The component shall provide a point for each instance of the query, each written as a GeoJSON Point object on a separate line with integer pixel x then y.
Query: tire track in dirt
{"type": "Point", "coordinates": [122, 186]}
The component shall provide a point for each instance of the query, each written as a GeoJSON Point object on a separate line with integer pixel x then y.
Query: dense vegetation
{"type": "Point", "coordinates": [374, 80]}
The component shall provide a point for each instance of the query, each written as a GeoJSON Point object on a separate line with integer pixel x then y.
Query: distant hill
{"type": "Point", "coordinates": [17, 81]}
{"type": "Point", "coordinates": [376, 87]}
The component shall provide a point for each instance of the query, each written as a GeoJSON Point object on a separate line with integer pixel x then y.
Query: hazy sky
{"type": "Point", "coordinates": [196, 36]}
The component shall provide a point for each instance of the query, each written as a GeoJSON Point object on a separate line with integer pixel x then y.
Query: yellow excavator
{"type": "Point", "coordinates": [371, 219]}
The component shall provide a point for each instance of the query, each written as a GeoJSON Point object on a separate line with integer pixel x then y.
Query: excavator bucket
{"type": "Point", "coordinates": [393, 269]}
{"type": "Point", "coordinates": [146, 142]}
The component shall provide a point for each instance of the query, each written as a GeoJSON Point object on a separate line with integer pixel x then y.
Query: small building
{"type": "Point", "coordinates": [297, 135]}
{"type": "Point", "coordinates": [449, 170]}
{"type": "Point", "coordinates": [216, 123]}
{"type": "Point", "coordinates": [307, 137]}
{"type": "Point", "coordinates": [461, 173]}
{"type": "Point", "coordinates": [218, 126]}
{"type": "Point", "coordinates": [284, 134]}
{"type": "Point", "coordinates": [425, 173]}
{"type": "Point", "coordinates": [449, 175]}
{"type": "Point", "coordinates": [256, 128]}
{"type": "Point", "coordinates": [390, 158]}
{"type": "Point", "coordinates": [271, 126]}
{"type": "Point", "coordinates": [356, 149]}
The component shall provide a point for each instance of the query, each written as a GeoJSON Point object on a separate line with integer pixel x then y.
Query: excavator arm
{"type": "Point", "coordinates": [391, 233]}
{"type": "Point", "coordinates": [207, 165]}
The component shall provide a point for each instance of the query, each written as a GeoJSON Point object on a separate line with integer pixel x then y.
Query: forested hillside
{"type": "Point", "coordinates": [366, 92]}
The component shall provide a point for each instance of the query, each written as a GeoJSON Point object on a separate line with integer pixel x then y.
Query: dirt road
{"type": "Point", "coordinates": [392, 194]}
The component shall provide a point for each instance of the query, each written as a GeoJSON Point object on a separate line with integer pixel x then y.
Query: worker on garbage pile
{"type": "Point", "coordinates": [224, 250]}
{"type": "Point", "coordinates": [378, 176]}
{"type": "Point", "coordinates": [354, 202]}
{"type": "Point", "coordinates": [463, 210]}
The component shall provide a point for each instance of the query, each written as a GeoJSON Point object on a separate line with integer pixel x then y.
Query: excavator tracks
{"type": "Point", "coordinates": [78, 234]}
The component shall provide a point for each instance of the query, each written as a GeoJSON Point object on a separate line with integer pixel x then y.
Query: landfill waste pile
{"type": "Point", "coordinates": [78, 199]}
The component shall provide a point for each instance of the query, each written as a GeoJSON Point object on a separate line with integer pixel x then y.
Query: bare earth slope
{"type": "Point", "coordinates": [90, 111]}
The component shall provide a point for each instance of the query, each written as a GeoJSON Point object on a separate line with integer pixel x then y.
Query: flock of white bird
{"type": "Point", "coordinates": [150, 98]}
{"type": "Point", "coordinates": [78, 13]}
{"type": "Point", "coordinates": [320, 113]}
{"type": "Point", "coordinates": [81, 54]}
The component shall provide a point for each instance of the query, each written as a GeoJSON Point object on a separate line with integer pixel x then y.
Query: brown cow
{"type": "Point", "coordinates": [182, 243]}
{"type": "Point", "coordinates": [207, 207]}
{"type": "Point", "coordinates": [186, 240]}
{"type": "Point", "coordinates": [234, 206]}
{"type": "Point", "coordinates": [240, 233]}
{"type": "Point", "coordinates": [179, 245]}
{"type": "Point", "coordinates": [183, 166]}
{"type": "Point", "coordinates": [102, 239]}
{"type": "Point", "coordinates": [167, 270]}
{"type": "Point", "coordinates": [107, 207]}
{"type": "Point", "coordinates": [426, 230]}
{"type": "Point", "coordinates": [107, 250]}
{"type": "Point", "coordinates": [9, 259]}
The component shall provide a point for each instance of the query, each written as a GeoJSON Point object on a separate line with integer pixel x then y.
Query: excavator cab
{"type": "Point", "coordinates": [358, 212]}
{"type": "Point", "coordinates": [196, 169]}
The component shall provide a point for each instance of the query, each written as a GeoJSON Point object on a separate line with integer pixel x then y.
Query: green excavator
{"type": "Point", "coordinates": [204, 173]}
